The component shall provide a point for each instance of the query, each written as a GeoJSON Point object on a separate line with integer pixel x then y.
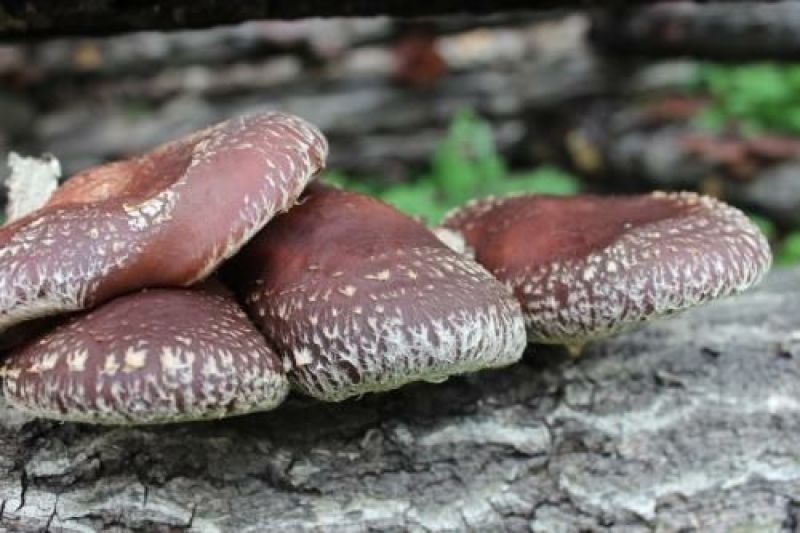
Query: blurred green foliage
{"type": "Point", "coordinates": [766, 226]}
{"type": "Point", "coordinates": [757, 96]}
{"type": "Point", "coordinates": [788, 252]}
{"type": "Point", "coordinates": [465, 165]}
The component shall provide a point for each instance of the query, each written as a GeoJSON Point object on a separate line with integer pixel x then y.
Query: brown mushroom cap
{"type": "Point", "coordinates": [133, 224]}
{"type": "Point", "coordinates": [586, 266]}
{"type": "Point", "coordinates": [163, 355]}
{"type": "Point", "coordinates": [357, 297]}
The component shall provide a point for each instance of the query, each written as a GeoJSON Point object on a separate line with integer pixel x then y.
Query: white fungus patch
{"type": "Point", "coordinates": [30, 184]}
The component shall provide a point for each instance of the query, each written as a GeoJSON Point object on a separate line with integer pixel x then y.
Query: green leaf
{"type": "Point", "coordinates": [759, 96]}
{"type": "Point", "coordinates": [466, 163]}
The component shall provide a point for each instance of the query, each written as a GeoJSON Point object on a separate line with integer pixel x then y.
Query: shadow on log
{"type": "Point", "coordinates": [46, 18]}
{"type": "Point", "coordinates": [688, 423]}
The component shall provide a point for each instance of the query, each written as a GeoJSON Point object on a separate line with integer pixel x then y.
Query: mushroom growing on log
{"type": "Point", "coordinates": [587, 266]}
{"type": "Point", "coordinates": [358, 297]}
{"type": "Point", "coordinates": [162, 355]}
{"type": "Point", "coordinates": [131, 224]}
{"type": "Point", "coordinates": [354, 296]}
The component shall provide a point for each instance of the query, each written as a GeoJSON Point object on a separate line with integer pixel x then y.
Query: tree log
{"type": "Point", "coordinates": [72, 99]}
{"type": "Point", "coordinates": [47, 18]}
{"type": "Point", "coordinates": [737, 31]}
{"type": "Point", "coordinates": [630, 153]}
{"type": "Point", "coordinates": [689, 423]}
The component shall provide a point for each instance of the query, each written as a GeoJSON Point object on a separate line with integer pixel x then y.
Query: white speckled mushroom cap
{"type": "Point", "coordinates": [357, 297]}
{"type": "Point", "coordinates": [586, 266]}
{"type": "Point", "coordinates": [163, 355]}
{"type": "Point", "coordinates": [133, 224]}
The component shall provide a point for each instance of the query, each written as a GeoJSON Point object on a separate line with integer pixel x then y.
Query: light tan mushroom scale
{"type": "Point", "coordinates": [587, 266]}
{"type": "Point", "coordinates": [165, 219]}
{"type": "Point", "coordinates": [357, 297]}
{"type": "Point", "coordinates": [163, 355]}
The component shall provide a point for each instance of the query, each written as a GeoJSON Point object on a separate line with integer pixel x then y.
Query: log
{"type": "Point", "coordinates": [79, 107]}
{"type": "Point", "coordinates": [47, 18]}
{"type": "Point", "coordinates": [631, 155]}
{"type": "Point", "coordinates": [691, 423]}
{"type": "Point", "coordinates": [735, 31]}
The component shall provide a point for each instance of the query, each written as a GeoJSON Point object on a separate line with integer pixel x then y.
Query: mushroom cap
{"type": "Point", "coordinates": [357, 297]}
{"type": "Point", "coordinates": [162, 355]}
{"type": "Point", "coordinates": [132, 224]}
{"type": "Point", "coordinates": [586, 266]}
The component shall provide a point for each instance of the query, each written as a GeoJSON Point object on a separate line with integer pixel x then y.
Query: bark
{"type": "Point", "coordinates": [736, 31]}
{"type": "Point", "coordinates": [46, 18]}
{"type": "Point", "coordinates": [689, 423]}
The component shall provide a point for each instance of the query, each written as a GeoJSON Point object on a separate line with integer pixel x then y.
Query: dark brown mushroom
{"type": "Point", "coordinates": [357, 297]}
{"type": "Point", "coordinates": [162, 355]}
{"type": "Point", "coordinates": [587, 266]}
{"type": "Point", "coordinates": [133, 224]}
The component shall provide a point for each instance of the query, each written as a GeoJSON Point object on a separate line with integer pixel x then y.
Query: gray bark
{"type": "Point", "coordinates": [736, 31]}
{"type": "Point", "coordinates": [376, 124]}
{"type": "Point", "coordinates": [638, 158]}
{"type": "Point", "coordinates": [689, 423]}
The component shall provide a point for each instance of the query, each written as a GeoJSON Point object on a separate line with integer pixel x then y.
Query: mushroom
{"type": "Point", "coordinates": [587, 266]}
{"type": "Point", "coordinates": [131, 224]}
{"type": "Point", "coordinates": [162, 355]}
{"type": "Point", "coordinates": [357, 297]}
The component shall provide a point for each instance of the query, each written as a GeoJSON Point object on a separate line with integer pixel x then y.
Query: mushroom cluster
{"type": "Point", "coordinates": [207, 277]}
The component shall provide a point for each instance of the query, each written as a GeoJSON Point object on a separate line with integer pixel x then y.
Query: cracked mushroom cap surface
{"type": "Point", "coordinates": [132, 224]}
{"type": "Point", "coordinates": [155, 356]}
{"type": "Point", "coordinates": [357, 297]}
{"type": "Point", "coordinates": [587, 266]}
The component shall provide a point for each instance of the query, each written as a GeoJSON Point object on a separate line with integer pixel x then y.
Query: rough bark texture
{"type": "Point", "coordinates": [689, 423]}
{"type": "Point", "coordinates": [725, 30]}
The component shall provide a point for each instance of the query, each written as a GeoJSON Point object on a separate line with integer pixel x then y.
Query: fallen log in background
{"type": "Point", "coordinates": [630, 148]}
{"type": "Point", "coordinates": [45, 18]}
{"type": "Point", "coordinates": [688, 423]}
{"type": "Point", "coordinates": [82, 102]}
{"type": "Point", "coordinates": [736, 31]}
